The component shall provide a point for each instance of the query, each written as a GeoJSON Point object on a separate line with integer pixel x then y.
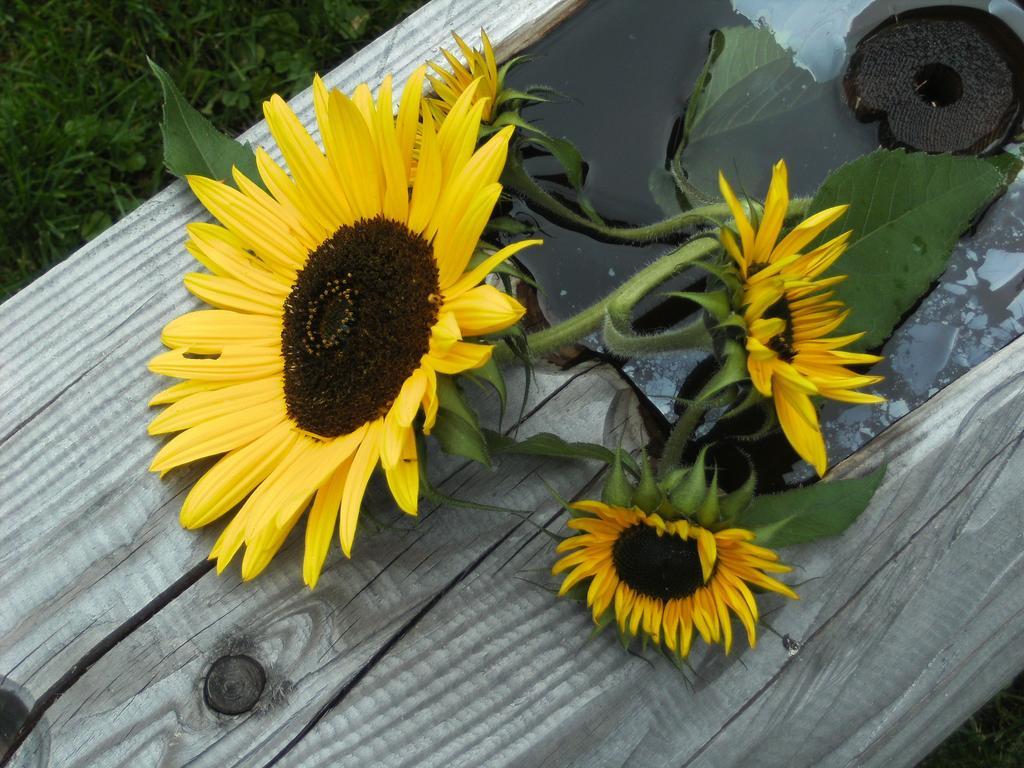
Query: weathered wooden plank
{"type": "Point", "coordinates": [142, 703]}
{"type": "Point", "coordinates": [89, 537]}
{"type": "Point", "coordinates": [906, 624]}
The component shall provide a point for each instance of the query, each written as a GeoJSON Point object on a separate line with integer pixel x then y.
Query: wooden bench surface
{"type": "Point", "coordinates": [440, 643]}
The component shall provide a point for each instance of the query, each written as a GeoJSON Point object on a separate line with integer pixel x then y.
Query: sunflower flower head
{"type": "Point", "coordinates": [790, 313]}
{"type": "Point", "coordinates": [666, 580]}
{"type": "Point", "coordinates": [340, 292]}
{"type": "Point", "coordinates": [451, 82]}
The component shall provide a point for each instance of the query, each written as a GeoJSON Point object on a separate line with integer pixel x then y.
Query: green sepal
{"type": "Point", "coordinates": [806, 514]}
{"type": "Point", "coordinates": [193, 146]}
{"type": "Point", "coordinates": [733, 370]}
{"type": "Point", "coordinates": [735, 502]}
{"type": "Point", "coordinates": [672, 478]}
{"type": "Point", "coordinates": [709, 511]}
{"type": "Point", "coordinates": [511, 94]}
{"type": "Point", "coordinates": [507, 225]}
{"type": "Point", "coordinates": [450, 398]}
{"type": "Point", "coordinates": [688, 495]}
{"type": "Point", "coordinates": [459, 437]}
{"type": "Point", "coordinates": [490, 372]}
{"type": "Point", "coordinates": [457, 428]}
{"type": "Point", "coordinates": [617, 491]}
{"type": "Point", "coordinates": [515, 61]}
{"type": "Point", "coordinates": [648, 495]}
{"type": "Point", "coordinates": [715, 303]}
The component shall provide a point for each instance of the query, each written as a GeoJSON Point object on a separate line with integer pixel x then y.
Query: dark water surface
{"type": "Point", "coordinates": [629, 68]}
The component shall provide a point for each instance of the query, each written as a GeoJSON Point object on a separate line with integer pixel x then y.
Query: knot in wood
{"type": "Point", "coordinates": [234, 684]}
{"type": "Point", "coordinates": [939, 83]}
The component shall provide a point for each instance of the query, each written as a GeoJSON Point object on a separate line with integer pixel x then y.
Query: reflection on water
{"type": "Point", "coordinates": [629, 68]}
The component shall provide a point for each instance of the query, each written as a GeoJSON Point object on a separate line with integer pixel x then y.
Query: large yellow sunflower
{"type": "Point", "coordinates": [340, 296]}
{"type": "Point", "coordinates": [480, 66]}
{"type": "Point", "coordinates": [789, 313]}
{"type": "Point", "coordinates": [667, 578]}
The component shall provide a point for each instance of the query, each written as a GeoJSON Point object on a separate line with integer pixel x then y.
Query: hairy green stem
{"type": "Point", "coordinates": [671, 230]}
{"type": "Point", "coordinates": [590, 319]}
{"type": "Point", "coordinates": [679, 436]}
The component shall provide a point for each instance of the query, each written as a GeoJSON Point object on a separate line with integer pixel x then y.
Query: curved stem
{"type": "Point", "coordinates": [679, 436]}
{"type": "Point", "coordinates": [591, 318]}
{"type": "Point", "coordinates": [670, 230]}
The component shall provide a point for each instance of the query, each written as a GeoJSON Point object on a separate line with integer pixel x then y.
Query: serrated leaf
{"type": "Point", "coordinates": [805, 514]}
{"type": "Point", "coordinates": [907, 211]}
{"type": "Point", "coordinates": [192, 145]}
{"type": "Point", "coordinates": [748, 79]}
{"type": "Point", "coordinates": [459, 437]}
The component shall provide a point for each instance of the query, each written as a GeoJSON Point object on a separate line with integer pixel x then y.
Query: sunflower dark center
{"type": "Point", "coordinates": [663, 567]}
{"type": "Point", "coordinates": [356, 323]}
{"type": "Point", "coordinates": [782, 343]}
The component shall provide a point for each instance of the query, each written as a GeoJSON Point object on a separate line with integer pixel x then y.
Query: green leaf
{"type": "Point", "coordinates": [449, 398]}
{"type": "Point", "coordinates": [192, 145]}
{"type": "Point", "coordinates": [805, 514]}
{"type": "Point", "coordinates": [906, 212]}
{"type": "Point", "coordinates": [748, 80]}
{"type": "Point", "coordinates": [490, 373]}
{"type": "Point", "coordinates": [547, 444]}
{"type": "Point", "coordinates": [459, 437]}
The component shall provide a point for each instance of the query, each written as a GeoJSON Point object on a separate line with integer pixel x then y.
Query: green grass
{"type": "Point", "coordinates": [992, 738]}
{"type": "Point", "coordinates": [80, 147]}
{"type": "Point", "coordinates": [79, 134]}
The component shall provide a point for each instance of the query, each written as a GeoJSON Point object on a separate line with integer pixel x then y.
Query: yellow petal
{"type": "Point", "coordinates": [427, 185]}
{"type": "Point", "coordinates": [460, 357]}
{"type": "Point", "coordinates": [259, 228]}
{"type": "Point", "coordinates": [320, 526]}
{"type": "Point", "coordinates": [799, 421]}
{"type": "Point", "coordinates": [743, 226]}
{"type": "Point", "coordinates": [219, 435]}
{"type": "Point", "coordinates": [355, 484]}
{"type": "Point", "coordinates": [208, 331]}
{"type": "Point", "coordinates": [409, 116]}
{"type": "Point", "coordinates": [308, 165]}
{"type": "Point", "coordinates": [228, 293]}
{"type": "Point", "coordinates": [232, 478]}
{"type": "Point", "coordinates": [457, 238]}
{"type": "Point", "coordinates": [404, 475]}
{"type": "Point", "coordinates": [234, 364]}
{"type": "Point", "coordinates": [807, 230]}
{"type": "Point", "coordinates": [484, 310]}
{"type": "Point", "coordinates": [197, 408]}
{"type": "Point", "coordinates": [476, 275]}
{"type": "Point", "coordinates": [775, 208]}
{"type": "Point", "coordinates": [354, 157]}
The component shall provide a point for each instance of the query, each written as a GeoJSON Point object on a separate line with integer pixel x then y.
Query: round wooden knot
{"type": "Point", "coordinates": [939, 84]}
{"type": "Point", "coordinates": [234, 684]}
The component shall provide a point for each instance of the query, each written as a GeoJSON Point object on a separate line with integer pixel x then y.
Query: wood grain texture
{"type": "Point", "coordinates": [441, 644]}
{"type": "Point", "coordinates": [89, 538]}
{"type": "Point", "coordinates": [906, 625]}
{"type": "Point", "coordinates": [141, 703]}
